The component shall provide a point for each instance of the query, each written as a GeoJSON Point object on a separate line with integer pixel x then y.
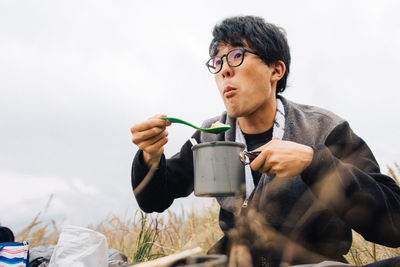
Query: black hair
{"type": "Point", "coordinates": [267, 39]}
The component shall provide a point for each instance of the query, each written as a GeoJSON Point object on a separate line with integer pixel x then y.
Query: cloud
{"type": "Point", "coordinates": [75, 76]}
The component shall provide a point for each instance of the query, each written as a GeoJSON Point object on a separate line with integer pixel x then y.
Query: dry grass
{"type": "Point", "coordinates": [363, 252]}
{"type": "Point", "coordinates": [172, 234]}
{"type": "Point", "coordinates": [394, 172]}
{"type": "Point", "coordinates": [143, 237]}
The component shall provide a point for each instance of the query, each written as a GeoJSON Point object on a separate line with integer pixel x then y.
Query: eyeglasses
{"type": "Point", "coordinates": [234, 58]}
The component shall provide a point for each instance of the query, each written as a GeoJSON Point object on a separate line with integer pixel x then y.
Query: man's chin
{"type": "Point", "coordinates": [233, 114]}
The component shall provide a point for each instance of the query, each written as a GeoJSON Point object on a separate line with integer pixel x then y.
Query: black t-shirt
{"type": "Point", "coordinates": [253, 142]}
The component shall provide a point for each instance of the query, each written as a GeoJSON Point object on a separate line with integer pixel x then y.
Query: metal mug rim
{"type": "Point", "coordinates": [218, 143]}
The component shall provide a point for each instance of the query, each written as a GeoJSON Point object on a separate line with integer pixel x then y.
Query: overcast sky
{"type": "Point", "coordinates": [76, 75]}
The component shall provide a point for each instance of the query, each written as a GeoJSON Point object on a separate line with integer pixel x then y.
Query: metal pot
{"type": "Point", "coordinates": [218, 169]}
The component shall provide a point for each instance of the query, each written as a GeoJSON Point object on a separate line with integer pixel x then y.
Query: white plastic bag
{"type": "Point", "coordinates": [80, 247]}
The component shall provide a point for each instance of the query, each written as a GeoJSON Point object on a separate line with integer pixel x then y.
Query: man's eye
{"type": "Point", "coordinates": [237, 55]}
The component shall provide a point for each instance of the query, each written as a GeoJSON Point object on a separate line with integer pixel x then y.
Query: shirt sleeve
{"type": "Point", "coordinates": [345, 176]}
{"type": "Point", "coordinates": [172, 179]}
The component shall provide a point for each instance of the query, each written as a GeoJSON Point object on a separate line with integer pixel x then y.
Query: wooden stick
{"type": "Point", "coordinates": [167, 260]}
{"type": "Point", "coordinates": [145, 180]}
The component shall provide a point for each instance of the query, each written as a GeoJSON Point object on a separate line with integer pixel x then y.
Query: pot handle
{"type": "Point", "coordinates": [245, 156]}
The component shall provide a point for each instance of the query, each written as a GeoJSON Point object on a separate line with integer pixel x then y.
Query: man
{"type": "Point", "coordinates": [314, 180]}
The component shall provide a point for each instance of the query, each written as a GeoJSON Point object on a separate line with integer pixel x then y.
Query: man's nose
{"type": "Point", "coordinates": [226, 70]}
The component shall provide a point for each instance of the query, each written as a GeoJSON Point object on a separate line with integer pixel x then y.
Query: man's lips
{"type": "Point", "coordinates": [229, 91]}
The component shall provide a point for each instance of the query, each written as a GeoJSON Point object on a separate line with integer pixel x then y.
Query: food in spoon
{"type": "Point", "coordinates": [218, 124]}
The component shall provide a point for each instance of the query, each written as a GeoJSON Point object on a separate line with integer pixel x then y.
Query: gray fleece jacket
{"type": "Point", "coordinates": [342, 189]}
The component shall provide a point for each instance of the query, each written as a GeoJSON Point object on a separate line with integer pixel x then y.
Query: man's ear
{"type": "Point", "coordinates": [278, 70]}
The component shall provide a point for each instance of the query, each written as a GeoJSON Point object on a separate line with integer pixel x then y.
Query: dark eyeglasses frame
{"type": "Point", "coordinates": [244, 50]}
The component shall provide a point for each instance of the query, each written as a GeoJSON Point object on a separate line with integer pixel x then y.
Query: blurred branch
{"type": "Point", "coordinates": [145, 180]}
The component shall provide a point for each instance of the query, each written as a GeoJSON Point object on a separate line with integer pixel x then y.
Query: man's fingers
{"type": "Point", "coordinates": [144, 144]}
{"type": "Point", "coordinates": [271, 172]}
{"type": "Point", "coordinates": [258, 163]}
{"type": "Point", "coordinates": [168, 123]}
{"type": "Point", "coordinates": [157, 147]}
{"type": "Point", "coordinates": [150, 123]}
{"type": "Point", "coordinates": [266, 168]}
{"type": "Point", "coordinates": [148, 134]}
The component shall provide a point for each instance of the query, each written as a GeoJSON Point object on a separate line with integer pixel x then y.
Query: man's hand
{"type": "Point", "coordinates": [282, 159]}
{"type": "Point", "coordinates": [151, 136]}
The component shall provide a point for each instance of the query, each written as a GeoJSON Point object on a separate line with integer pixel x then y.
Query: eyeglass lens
{"type": "Point", "coordinates": [234, 58]}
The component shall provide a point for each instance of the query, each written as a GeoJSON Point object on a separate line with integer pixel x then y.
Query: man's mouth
{"type": "Point", "coordinates": [229, 91]}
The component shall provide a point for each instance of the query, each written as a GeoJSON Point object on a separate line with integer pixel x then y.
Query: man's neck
{"type": "Point", "coordinates": [260, 121]}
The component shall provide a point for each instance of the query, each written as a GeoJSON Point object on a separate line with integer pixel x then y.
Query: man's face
{"type": "Point", "coordinates": [248, 88]}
